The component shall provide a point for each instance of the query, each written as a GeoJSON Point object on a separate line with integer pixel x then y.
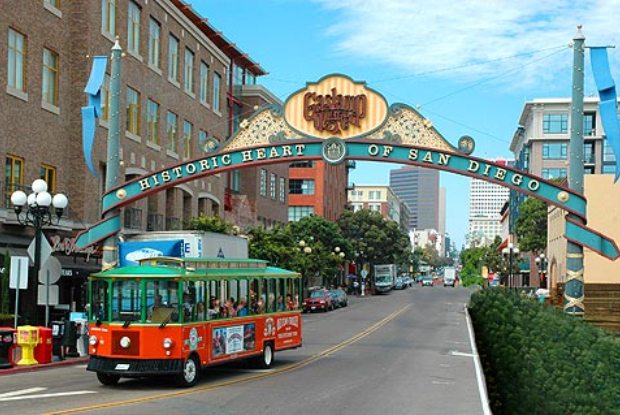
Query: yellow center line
{"type": "Point", "coordinates": [245, 379]}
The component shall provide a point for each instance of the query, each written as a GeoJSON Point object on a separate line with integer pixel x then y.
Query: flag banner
{"type": "Point", "coordinates": [608, 106]}
{"type": "Point", "coordinates": [93, 110]}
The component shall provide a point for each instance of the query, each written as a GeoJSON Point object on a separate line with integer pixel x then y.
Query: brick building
{"type": "Point", "coordinates": [182, 81]}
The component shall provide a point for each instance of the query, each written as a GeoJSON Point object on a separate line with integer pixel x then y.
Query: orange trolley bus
{"type": "Point", "coordinates": [174, 316]}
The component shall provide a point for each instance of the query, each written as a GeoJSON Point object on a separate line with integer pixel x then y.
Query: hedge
{"type": "Point", "coordinates": [538, 360]}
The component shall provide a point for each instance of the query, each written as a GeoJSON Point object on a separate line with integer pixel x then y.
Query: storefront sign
{"type": "Point", "coordinates": [67, 246]}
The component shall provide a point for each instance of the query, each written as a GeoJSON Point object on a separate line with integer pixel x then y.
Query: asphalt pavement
{"type": "Point", "coordinates": [408, 352]}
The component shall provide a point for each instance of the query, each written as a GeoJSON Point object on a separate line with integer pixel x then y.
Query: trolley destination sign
{"type": "Point", "coordinates": [338, 119]}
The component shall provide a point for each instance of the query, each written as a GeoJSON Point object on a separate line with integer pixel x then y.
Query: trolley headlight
{"type": "Point", "coordinates": [92, 340]}
{"type": "Point", "coordinates": [167, 343]}
{"type": "Point", "coordinates": [125, 342]}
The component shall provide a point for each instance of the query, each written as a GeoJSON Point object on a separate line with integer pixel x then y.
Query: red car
{"type": "Point", "coordinates": [318, 300]}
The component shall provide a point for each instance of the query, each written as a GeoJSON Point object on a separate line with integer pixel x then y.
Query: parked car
{"type": "Point", "coordinates": [408, 281]}
{"type": "Point", "coordinates": [339, 297]}
{"type": "Point", "coordinates": [427, 281]}
{"type": "Point", "coordinates": [318, 300]}
{"type": "Point", "coordinates": [419, 279]}
{"type": "Point", "coordinates": [399, 284]}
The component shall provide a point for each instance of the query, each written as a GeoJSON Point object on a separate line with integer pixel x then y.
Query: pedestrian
{"type": "Point", "coordinates": [69, 339]}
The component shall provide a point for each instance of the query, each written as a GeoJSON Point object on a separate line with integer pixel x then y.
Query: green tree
{"type": "Point", "coordinates": [374, 239]}
{"type": "Point", "coordinates": [210, 224]}
{"type": "Point", "coordinates": [276, 245]}
{"type": "Point", "coordinates": [531, 226]}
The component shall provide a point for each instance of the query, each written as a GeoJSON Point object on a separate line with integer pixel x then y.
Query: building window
{"type": "Point", "coordinates": [16, 71]}
{"type": "Point", "coordinates": [374, 207]}
{"type": "Point", "coordinates": [173, 58]}
{"type": "Point", "coordinates": [133, 28]}
{"type": "Point", "coordinates": [272, 186]}
{"type": "Point", "coordinates": [282, 189]}
{"type": "Point", "coordinates": [263, 182]}
{"type": "Point", "coordinates": [609, 168]}
{"type": "Point", "coordinates": [171, 132]}
{"type": "Point", "coordinates": [133, 111]}
{"type": "Point", "coordinates": [152, 119]}
{"type": "Point", "coordinates": [588, 153]}
{"type": "Point", "coordinates": [554, 151]}
{"type": "Point", "coordinates": [555, 123]}
{"type": "Point", "coordinates": [374, 195]}
{"type": "Point", "coordinates": [553, 173]}
{"type": "Point", "coordinates": [204, 83]}
{"type": "Point", "coordinates": [302, 164]}
{"type": "Point", "coordinates": [105, 98]}
{"type": "Point", "coordinates": [216, 92]}
{"type": "Point", "coordinates": [48, 173]}
{"type": "Point", "coordinates": [301, 187]}
{"type": "Point", "coordinates": [154, 42]}
{"type": "Point", "coordinates": [14, 177]}
{"type": "Point", "coordinates": [189, 71]}
{"type": "Point", "coordinates": [608, 153]}
{"type": "Point", "coordinates": [108, 17]}
{"type": "Point", "coordinates": [187, 139]}
{"type": "Point", "coordinates": [588, 170]}
{"type": "Point", "coordinates": [295, 213]}
{"type": "Point", "coordinates": [589, 124]}
{"type": "Point", "coordinates": [50, 77]}
{"type": "Point", "coordinates": [235, 181]}
{"type": "Point", "coordinates": [237, 75]}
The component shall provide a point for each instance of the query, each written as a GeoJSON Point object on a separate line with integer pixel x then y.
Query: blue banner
{"type": "Point", "coordinates": [93, 110]}
{"type": "Point", "coordinates": [131, 252]}
{"type": "Point", "coordinates": [608, 105]}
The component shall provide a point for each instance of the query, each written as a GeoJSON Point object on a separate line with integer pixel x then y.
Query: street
{"type": "Point", "coordinates": [407, 352]}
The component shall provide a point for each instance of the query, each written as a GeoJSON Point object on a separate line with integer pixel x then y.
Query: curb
{"type": "Point", "coordinates": [33, 368]}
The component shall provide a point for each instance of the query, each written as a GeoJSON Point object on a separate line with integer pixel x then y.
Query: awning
{"type": "Point", "coordinates": [503, 245]}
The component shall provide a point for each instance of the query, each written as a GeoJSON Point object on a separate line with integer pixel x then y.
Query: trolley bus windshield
{"type": "Point", "coordinates": [172, 312]}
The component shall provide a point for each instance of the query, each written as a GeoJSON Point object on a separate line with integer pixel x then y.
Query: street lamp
{"type": "Point", "coordinates": [541, 264]}
{"type": "Point", "coordinates": [35, 210]}
{"type": "Point", "coordinates": [510, 251]}
{"type": "Point", "coordinates": [338, 252]}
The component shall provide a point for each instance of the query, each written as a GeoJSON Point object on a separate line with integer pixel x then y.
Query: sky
{"type": "Point", "coordinates": [468, 66]}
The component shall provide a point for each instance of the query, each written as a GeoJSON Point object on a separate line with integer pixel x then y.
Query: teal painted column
{"type": "Point", "coordinates": [110, 245]}
{"type": "Point", "coordinates": [573, 291]}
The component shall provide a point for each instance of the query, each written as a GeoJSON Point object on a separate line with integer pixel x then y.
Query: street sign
{"type": "Point", "coordinates": [41, 294]}
{"type": "Point", "coordinates": [52, 269]}
{"type": "Point", "coordinates": [46, 249]}
{"type": "Point", "coordinates": [19, 272]}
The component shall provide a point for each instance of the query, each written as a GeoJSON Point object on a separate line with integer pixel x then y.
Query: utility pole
{"type": "Point", "coordinates": [573, 290]}
{"type": "Point", "coordinates": [110, 245]}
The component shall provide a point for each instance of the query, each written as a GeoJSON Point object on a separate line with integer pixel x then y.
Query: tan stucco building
{"type": "Point", "coordinates": [603, 215]}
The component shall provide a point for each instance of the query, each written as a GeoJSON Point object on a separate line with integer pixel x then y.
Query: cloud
{"type": "Point", "coordinates": [474, 37]}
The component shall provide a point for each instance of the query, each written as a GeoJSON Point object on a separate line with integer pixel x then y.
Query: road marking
{"type": "Point", "coordinates": [288, 368]}
{"type": "Point", "coordinates": [455, 353]}
{"type": "Point", "coordinates": [45, 395]}
{"type": "Point", "coordinates": [21, 392]}
{"type": "Point", "coordinates": [442, 382]}
{"type": "Point", "coordinates": [482, 390]}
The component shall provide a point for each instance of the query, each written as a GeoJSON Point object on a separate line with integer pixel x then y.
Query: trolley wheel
{"type": "Point", "coordinates": [265, 360]}
{"type": "Point", "coordinates": [191, 373]}
{"type": "Point", "coordinates": [108, 380]}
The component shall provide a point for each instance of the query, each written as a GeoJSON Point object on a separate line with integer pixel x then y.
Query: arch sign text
{"type": "Point", "coordinates": [338, 119]}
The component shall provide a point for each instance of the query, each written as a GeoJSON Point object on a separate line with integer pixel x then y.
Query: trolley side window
{"type": "Point", "coordinates": [126, 301]}
{"type": "Point", "coordinates": [99, 300]}
{"type": "Point", "coordinates": [162, 301]}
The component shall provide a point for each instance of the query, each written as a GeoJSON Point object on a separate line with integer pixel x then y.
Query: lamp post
{"type": "Point", "coordinates": [306, 250]}
{"type": "Point", "coordinates": [510, 251]}
{"type": "Point", "coordinates": [541, 264]}
{"type": "Point", "coordinates": [35, 210]}
{"type": "Point", "coordinates": [338, 252]}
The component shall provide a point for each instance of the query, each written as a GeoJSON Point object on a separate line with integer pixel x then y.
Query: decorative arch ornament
{"type": "Point", "coordinates": [356, 131]}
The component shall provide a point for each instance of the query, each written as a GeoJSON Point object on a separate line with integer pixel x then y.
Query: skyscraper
{"type": "Point", "coordinates": [485, 203]}
{"type": "Point", "coordinates": [418, 188]}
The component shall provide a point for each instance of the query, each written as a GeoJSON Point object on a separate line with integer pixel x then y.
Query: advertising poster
{"type": "Point", "coordinates": [131, 252]}
{"type": "Point", "coordinates": [234, 339]}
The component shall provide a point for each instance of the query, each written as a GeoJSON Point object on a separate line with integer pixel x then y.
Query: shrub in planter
{"type": "Point", "coordinates": [538, 360]}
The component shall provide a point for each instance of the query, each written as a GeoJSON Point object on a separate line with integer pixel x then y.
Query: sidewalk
{"type": "Point", "coordinates": [57, 363]}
